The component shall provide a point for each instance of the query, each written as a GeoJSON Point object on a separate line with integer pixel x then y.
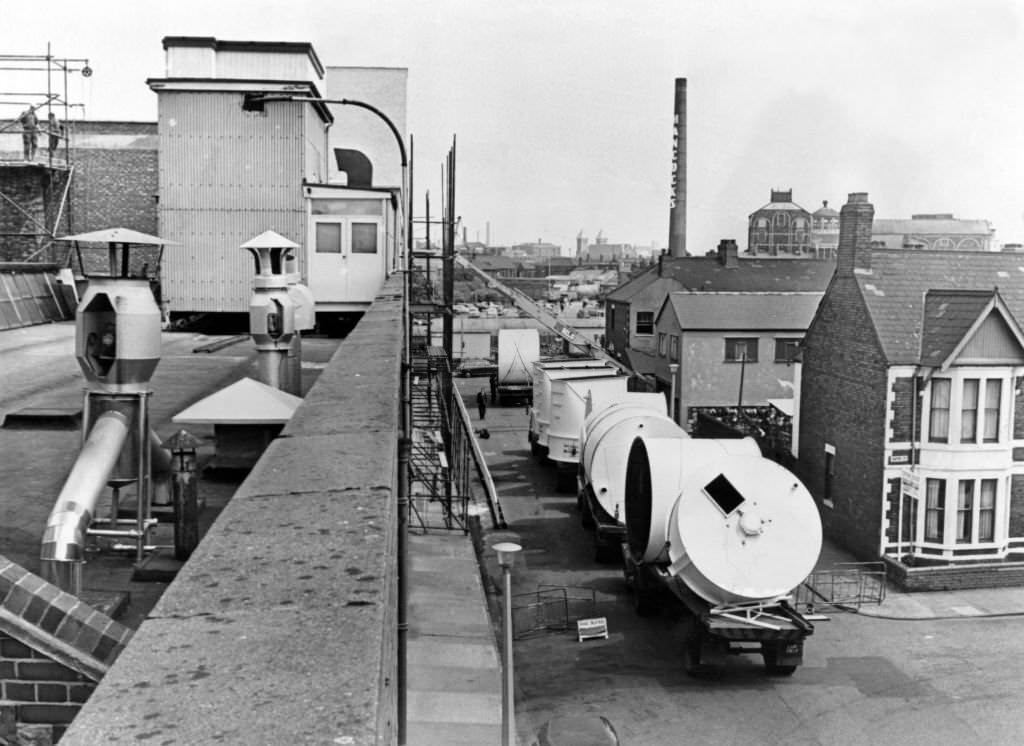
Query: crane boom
{"type": "Point", "coordinates": [542, 315]}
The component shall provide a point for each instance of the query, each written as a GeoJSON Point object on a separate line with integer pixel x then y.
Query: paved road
{"type": "Point", "coordinates": [865, 680]}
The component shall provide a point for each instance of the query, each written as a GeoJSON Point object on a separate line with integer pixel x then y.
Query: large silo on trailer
{"type": "Point", "coordinates": [733, 526]}
{"type": "Point", "coordinates": [606, 437]}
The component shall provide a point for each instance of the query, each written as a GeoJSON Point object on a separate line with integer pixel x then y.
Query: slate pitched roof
{"type": "Point", "coordinates": [751, 275]}
{"type": "Point", "coordinates": [896, 286]}
{"type": "Point", "coordinates": [744, 311]}
{"type": "Point", "coordinates": [948, 315]}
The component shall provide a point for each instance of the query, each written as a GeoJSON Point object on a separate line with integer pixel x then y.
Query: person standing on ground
{"type": "Point", "coordinates": [481, 403]}
{"type": "Point", "coordinates": [29, 126]}
{"type": "Point", "coordinates": [56, 130]}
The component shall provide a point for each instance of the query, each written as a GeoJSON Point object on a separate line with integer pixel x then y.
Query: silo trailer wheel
{"type": "Point", "coordinates": [769, 652]}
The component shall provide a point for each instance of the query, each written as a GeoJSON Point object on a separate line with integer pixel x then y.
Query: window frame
{"type": "Point", "coordinates": [662, 344]}
{"type": "Point", "coordinates": [789, 343]}
{"type": "Point", "coordinates": [673, 348]}
{"type": "Point", "coordinates": [730, 349]}
{"type": "Point", "coordinates": [645, 322]}
{"type": "Point", "coordinates": [969, 413]}
{"type": "Point", "coordinates": [987, 411]}
{"type": "Point", "coordinates": [965, 511]}
{"type": "Point", "coordinates": [933, 435]}
{"type": "Point", "coordinates": [935, 513]}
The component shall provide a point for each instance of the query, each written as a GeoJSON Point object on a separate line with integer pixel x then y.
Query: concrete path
{"type": "Point", "coordinates": [454, 668]}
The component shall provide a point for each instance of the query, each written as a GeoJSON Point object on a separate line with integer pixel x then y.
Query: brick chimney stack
{"type": "Point", "coordinates": [855, 221]}
{"type": "Point", "coordinates": [728, 253]}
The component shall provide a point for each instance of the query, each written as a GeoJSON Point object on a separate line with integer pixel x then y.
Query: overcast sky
{"type": "Point", "coordinates": [563, 108]}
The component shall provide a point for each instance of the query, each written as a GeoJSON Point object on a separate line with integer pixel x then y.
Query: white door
{"type": "Point", "coordinates": [346, 263]}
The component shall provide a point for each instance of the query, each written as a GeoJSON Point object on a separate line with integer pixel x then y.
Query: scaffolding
{"type": "Point", "coordinates": [36, 172]}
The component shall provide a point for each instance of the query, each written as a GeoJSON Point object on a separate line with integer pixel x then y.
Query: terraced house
{"type": "Point", "coordinates": [911, 418]}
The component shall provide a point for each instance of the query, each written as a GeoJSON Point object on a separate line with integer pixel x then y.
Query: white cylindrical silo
{"type": "Point", "coordinates": [606, 440]}
{"type": "Point", "coordinates": [733, 526]}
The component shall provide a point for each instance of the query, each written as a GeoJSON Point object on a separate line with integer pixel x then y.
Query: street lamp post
{"type": "Point", "coordinates": [673, 368]}
{"type": "Point", "coordinates": [506, 556]}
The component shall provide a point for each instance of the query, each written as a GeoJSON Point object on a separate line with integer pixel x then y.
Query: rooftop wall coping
{"type": "Point", "coordinates": [280, 628]}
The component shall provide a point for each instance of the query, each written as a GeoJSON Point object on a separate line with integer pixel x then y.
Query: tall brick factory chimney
{"type": "Point", "coordinates": [855, 222]}
{"type": "Point", "coordinates": [677, 206]}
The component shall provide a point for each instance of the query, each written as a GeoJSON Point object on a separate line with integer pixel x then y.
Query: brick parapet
{"type": "Point", "coordinates": [281, 627]}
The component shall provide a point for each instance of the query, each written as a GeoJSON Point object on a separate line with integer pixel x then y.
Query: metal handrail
{"type": "Point", "coordinates": [491, 492]}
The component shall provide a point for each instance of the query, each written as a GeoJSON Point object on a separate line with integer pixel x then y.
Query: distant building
{"type": "Point", "coordinates": [538, 250]}
{"type": "Point", "coordinates": [602, 252]}
{"type": "Point", "coordinates": [937, 231]}
{"type": "Point", "coordinates": [825, 232]}
{"type": "Point", "coordinates": [780, 229]}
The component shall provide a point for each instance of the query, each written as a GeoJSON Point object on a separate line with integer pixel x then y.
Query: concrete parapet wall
{"type": "Point", "coordinates": [281, 627]}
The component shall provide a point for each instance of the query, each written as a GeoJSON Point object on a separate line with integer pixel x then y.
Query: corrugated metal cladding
{"type": "Point", "coordinates": [226, 175]}
{"type": "Point", "coordinates": [276, 66]}
{"type": "Point", "coordinates": [209, 272]}
{"type": "Point", "coordinates": [317, 167]}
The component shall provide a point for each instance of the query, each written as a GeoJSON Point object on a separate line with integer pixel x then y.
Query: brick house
{"type": "Point", "coordinates": [730, 347]}
{"type": "Point", "coordinates": [911, 417]}
{"type": "Point", "coordinates": [631, 309]}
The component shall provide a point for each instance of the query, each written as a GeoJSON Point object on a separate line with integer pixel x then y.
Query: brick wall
{"type": "Point", "coordinates": [844, 383]}
{"type": "Point", "coordinates": [114, 188]}
{"type": "Point", "coordinates": [33, 195]}
{"type": "Point", "coordinates": [1016, 506]}
{"type": "Point", "coordinates": [905, 416]}
{"type": "Point", "coordinates": [54, 648]}
{"type": "Point", "coordinates": [40, 695]}
{"type": "Point", "coordinates": [843, 403]}
{"type": "Point", "coordinates": [959, 577]}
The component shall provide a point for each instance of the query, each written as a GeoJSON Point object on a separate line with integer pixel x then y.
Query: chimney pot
{"type": "Point", "coordinates": [728, 253]}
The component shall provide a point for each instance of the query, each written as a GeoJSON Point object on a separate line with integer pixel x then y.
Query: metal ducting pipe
{"type": "Point", "coordinates": [62, 552]}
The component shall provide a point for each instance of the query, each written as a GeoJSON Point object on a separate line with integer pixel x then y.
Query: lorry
{"type": "Point", "coordinates": [544, 372]}
{"type": "Point", "coordinates": [605, 439]}
{"type": "Point", "coordinates": [571, 400]}
{"type": "Point", "coordinates": [720, 535]}
{"type": "Point", "coordinates": [518, 351]}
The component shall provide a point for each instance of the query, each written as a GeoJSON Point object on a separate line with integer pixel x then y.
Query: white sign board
{"type": "Point", "coordinates": [591, 629]}
{"type": "Point", "coordinates": [911, 484]}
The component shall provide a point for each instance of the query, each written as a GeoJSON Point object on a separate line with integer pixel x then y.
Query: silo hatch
{"type": "Point", "coordinates": [724, 494]}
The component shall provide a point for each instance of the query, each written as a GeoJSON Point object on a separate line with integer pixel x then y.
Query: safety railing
{"type": "Point", "coordinates": [551, 608]}
{"type": "Point", "coordinates": [846, 586]}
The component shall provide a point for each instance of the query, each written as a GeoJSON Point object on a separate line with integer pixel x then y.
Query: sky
{"type": "Point", "coordinates": [563, 109]}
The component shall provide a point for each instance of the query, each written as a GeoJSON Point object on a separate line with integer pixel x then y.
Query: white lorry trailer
{"type": "Point", "coordinates": [571, 400]}
{"type": "Point", "coordinates": [724, 535]}
{"type": "Point", "coordinates": [544, 372]}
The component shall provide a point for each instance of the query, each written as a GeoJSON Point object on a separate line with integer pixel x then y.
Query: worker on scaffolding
{"type": "Point", "coordinates": [29, 132]}
{"type": "Point", "coordinates": [56, 132]}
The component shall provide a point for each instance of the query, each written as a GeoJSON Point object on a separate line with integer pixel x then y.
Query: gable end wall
{"type": "Point", "coordinates": [843, 403]}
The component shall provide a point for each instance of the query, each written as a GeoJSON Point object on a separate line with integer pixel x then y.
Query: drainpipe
{"type": "Point", "coordinates": [63, 552]}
